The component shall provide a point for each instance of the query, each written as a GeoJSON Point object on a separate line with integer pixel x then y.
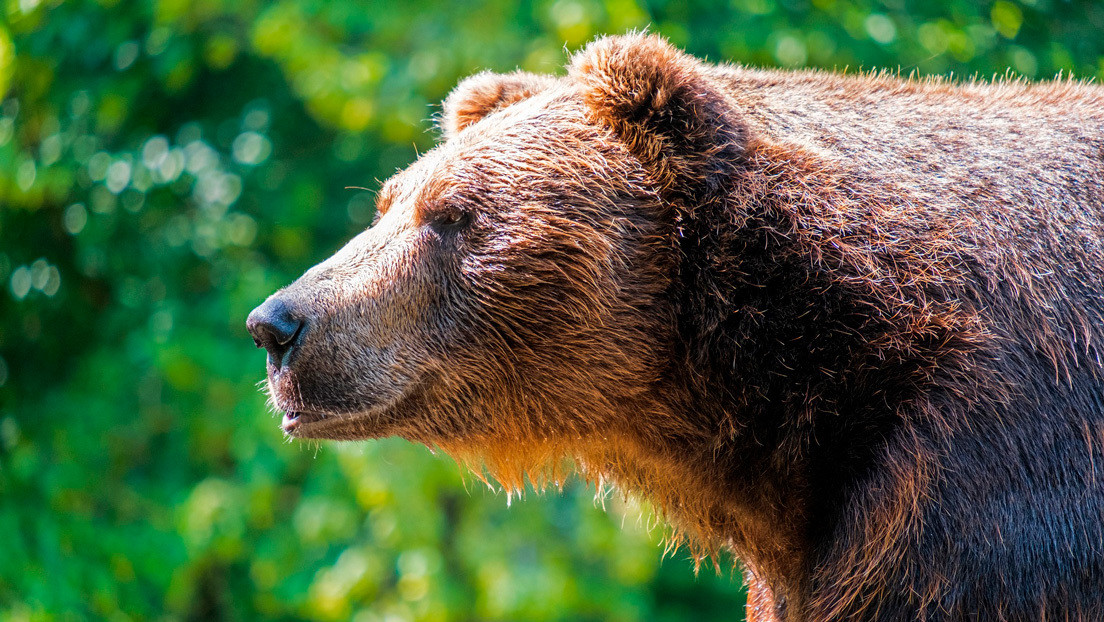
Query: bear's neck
{"type": "Point", "coordinates": [791, 364]}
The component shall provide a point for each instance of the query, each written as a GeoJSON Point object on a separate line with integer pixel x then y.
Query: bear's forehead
{"type": "Point", "coordinates": [403, 186]}
{"type": "Point", "coordinates": [545, 142]}
{"type": "Point", "coordinates": [534, 128]}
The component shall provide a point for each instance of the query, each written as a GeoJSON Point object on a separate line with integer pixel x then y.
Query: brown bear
{"type": "Point", "coordinates": [848, 328]}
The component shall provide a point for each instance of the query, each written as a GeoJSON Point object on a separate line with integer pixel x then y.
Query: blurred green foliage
{"type": "Point", "coordinates": [164, 166]}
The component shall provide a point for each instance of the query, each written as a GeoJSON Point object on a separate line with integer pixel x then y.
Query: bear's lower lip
{"type": "Point", "coordinates": [293, 419]}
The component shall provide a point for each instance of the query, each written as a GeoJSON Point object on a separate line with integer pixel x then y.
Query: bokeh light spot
{"type": "Point", "coordinates": [21, 282]}
{"type": "Point", "coordinates": [75, 218]}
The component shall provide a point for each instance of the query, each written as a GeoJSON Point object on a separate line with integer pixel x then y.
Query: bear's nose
{"type": "Point", "coordinates": [275, 328]}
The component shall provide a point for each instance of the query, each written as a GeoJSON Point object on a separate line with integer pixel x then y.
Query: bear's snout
{"type": "Point", "coordinates": [276, 327]}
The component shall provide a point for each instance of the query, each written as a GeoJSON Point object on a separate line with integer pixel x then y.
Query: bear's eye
{"type": "Point", "coordinates": [450, 216]}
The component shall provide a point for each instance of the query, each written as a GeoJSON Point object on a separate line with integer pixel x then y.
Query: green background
{"type": "Point", "coordinates": [165, 166]}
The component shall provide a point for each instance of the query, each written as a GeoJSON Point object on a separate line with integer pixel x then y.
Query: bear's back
{"type": "Point", "coordinates": [1010, 175]}
{"type": "Point", "coordinates": [1010, 178]}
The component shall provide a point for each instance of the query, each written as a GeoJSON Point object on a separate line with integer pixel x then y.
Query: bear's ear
{"type": "Point", "coordinates": [483, 93]}
{"type": "Point", "coordinates": [666, 108]}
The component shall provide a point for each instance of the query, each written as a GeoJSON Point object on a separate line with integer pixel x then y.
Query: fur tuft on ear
{"type": "Point", "coordinates": [483, 93]}
{"type": "Point", "coordinates": [667, 109]}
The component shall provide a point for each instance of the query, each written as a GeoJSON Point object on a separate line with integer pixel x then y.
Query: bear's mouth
{"type": "Point", "coordinates": [347, 420]}
{"type": "Point", "coordinates": [294, 420]}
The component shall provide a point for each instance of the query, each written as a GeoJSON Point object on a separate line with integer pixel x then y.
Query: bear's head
{"type": "Point", "coordinates": [516, 288]}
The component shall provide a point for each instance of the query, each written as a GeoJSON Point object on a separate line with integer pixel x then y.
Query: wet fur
{"type": "Point", "coordinates": [848, 327]}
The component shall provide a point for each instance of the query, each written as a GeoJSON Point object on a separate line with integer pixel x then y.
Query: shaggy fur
{"type": "Point", "coordinates": [848, 327]}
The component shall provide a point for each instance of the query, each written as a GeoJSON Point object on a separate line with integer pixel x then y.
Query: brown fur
{"type": "Point", "coordinates": [847, 327]}
{"type": "Point", "coordinates": [486, 92]}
